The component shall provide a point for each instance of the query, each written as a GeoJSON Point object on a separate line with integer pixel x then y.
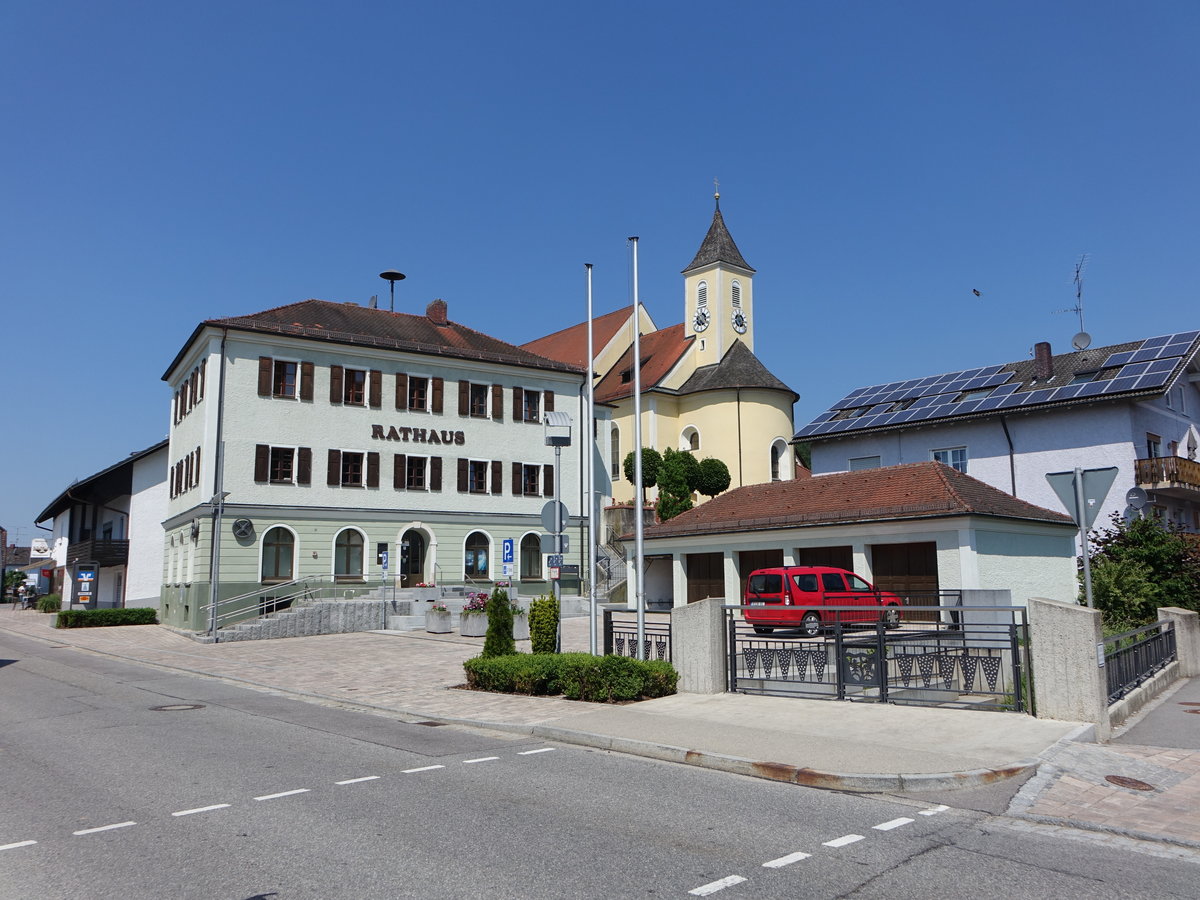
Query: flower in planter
{"type": "Point", "coordinates": [502, 584]}
{"type": "Point", "coordinates": [476, 603]}
{"type": "Point", "coordinates": [439, 607]}
{"type": "Point", "coordinates": [426, 584]}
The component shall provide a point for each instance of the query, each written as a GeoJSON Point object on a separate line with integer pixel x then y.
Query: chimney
{"type": "Point", "coordinates": [436, 312]}
{"type": "Point", "coordinates": [1043, 361]}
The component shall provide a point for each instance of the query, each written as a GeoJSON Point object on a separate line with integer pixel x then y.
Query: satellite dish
{"type": "Point", "coordinates": [1081, 341]}
{"type": "Point", "coordinates": [1136, 497]}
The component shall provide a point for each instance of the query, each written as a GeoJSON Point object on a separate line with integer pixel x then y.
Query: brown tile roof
{"type": "Point", "coordinates": [912, 491]}
{"type": "Point", "coordinates": [570, 344]}
{"type": "Point", "coordinates": [660, 350]}
{"type": "Point", "coordinates": [349, 323]}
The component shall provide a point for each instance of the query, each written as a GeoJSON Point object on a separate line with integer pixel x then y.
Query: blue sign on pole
{"type": "Point", "coordinates": [508, 551]}
{"type": "Point", "coordinates": [383, 558]}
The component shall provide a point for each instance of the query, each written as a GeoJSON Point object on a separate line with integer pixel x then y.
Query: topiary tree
{"type": "Point", "coordinates": [714, 477]}
{"type": "Point", "coordinates": [499, 639]}
{"type": "Point", "coordinates": [543, 625]}
{"type": "Point", "coordinates": [651, 464]}
{"type": "Point", "coordinates": [674, 490]}
{"type": "Point", "coordinates": [1143, 564]}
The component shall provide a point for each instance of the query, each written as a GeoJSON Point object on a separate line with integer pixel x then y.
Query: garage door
{"type": "Point", "coordinates": [705, 576]}
{"type": "Point", "coordinates": [908, 570]}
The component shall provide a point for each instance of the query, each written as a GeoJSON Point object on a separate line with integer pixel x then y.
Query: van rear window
{"type": "Point", "coordinates": [765, 583]}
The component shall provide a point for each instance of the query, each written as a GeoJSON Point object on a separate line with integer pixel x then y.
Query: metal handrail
{"type": "Point", "coordinates": [244, 606]}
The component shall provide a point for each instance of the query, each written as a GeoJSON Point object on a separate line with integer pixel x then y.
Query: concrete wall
{"type": "Point", "coordinates": [1068, 648]}
{"type": "Point", "coordinates": [147, 509]}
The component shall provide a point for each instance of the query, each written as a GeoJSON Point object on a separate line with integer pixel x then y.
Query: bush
{"type": "Point", "coordinates": [499, 640]}
{"type": "Point", "coordinates": [50, 603]}
{"type": "Point", "coordinates": [102, 618]}
{"type": "Point", "coordinates": [577, 676]}
{"type": "Point", "coordinates": [1141, 565]}
{"type": "Point", "coordinates": [543, 625]}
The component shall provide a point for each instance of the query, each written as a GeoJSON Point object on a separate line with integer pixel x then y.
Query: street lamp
{"type": "Point", "coordinates": [391, 276]}
{"type": "Point", "coordinates": [557, 432]}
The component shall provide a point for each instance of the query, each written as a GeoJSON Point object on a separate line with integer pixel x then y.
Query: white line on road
{"type": "Point", "coordinates": [713, 886]}
{"type": "Point", "coordinates": [786, 860]}
{"type": "Point", "coordinates": [189, 812]}
{"type": "Point", "coordinates": [357, 780]}
{"type": "Point", "coordinates": [422, 769]}
{"type": "Point", "coordinates": [894, 823]}
{"type": "Point", "coordinates": [844, 840]}
{"type": "Point", "coordinates": [934, 811]}
{"type": "Point", "coordinates": [531, 752]}
{"type": "Point", "coordinates": [103, 828]}
{"type": "Point", "coordinates": [481, 759]}
{"type": "Point", "coordinates": [16, 845]}
{"type": "Point", "coordinates": [282, 794]}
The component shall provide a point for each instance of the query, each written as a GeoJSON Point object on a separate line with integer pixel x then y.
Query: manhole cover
{"type": "Point", "coordinates": [431, 724]}
{"type": "Point", "coordinates": [1131, 783]}
{"type": "Point", "coordinates": [177, 707]}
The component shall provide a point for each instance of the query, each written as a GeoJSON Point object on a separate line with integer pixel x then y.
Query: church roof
{"type": "Point", "coordinates": [570, 344]}
{"type": "Point", "coordinates": [660, 351]}
{"type": "Point", "coordinates": [738, 368]}
{"type": "Point", "coordinates": [718, 246]}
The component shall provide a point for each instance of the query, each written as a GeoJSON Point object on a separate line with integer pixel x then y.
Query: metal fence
{"type": "Point", "coordinates": [1133, 657]}
{"type": "Point", "coordinates": [620, 634]}
{"type": "Point", "coordinates": [954, 656]}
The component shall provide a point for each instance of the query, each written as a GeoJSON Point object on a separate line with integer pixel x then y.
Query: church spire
{"type": "Point", "coordinates": [718, 245]}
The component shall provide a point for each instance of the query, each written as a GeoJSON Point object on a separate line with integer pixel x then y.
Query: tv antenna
{"type": "Point", "coordinates": [1082, 339]}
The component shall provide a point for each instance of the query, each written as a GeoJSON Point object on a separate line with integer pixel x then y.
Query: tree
{"type": "Point", "coordinates": [714, 477]}
{"type": "Point", "coordinates": [13, 580]}
{"type": "Point", "coordinates": [499, 640]}
{"type": "Point", "coordinates": [674, 489]}
{"type": "Point", "coordinates": [1143, 565]}
{"type": "Point", "coordinates": [651, 463]}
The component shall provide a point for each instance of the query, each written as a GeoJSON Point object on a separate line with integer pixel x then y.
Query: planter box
{"type": "Point", "coordinates": [437, 622]}
{"type": "Point", "coordinates": [473, 624]}
{"type": "Point", "coordinates": [520, 628]}
{"type": "Point", "coordinates": [426, 593]}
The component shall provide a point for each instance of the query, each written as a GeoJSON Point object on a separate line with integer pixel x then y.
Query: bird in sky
{"type": "Point", "coordinates": [976, 293]}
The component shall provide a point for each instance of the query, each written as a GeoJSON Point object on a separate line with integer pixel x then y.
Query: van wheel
{"type": "Point", "coordinates": [763, 629]}
{"type": "Point", "coordinates": [810, 625]}
{"type": "Point", "coordinates": [891, 617]}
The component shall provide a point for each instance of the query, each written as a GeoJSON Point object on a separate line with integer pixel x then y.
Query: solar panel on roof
{"type": "Point", "coordinates": [1157, 341]}
{"type": "Point", "coordinates": [1117, 359]}
{"type": "Point", "coordinates": [1153, 380]}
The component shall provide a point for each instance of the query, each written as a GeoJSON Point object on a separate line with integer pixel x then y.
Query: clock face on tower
{"type": "Point", "coordinates": [700, 320]}
{"type": "Point", "coordinates": [739, 322]}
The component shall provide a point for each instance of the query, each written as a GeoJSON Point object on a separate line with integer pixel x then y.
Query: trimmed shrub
{"type": "Point", "coordinates": [102, 618]}
{"type": "Point", "coordinates": [51, 603]}
{"type": "Point", "coordinates": [577, 676]}
{"type": "Point", "coordinates": [499, 640]}
{"type": "Point", "coordinates": [543, 625]}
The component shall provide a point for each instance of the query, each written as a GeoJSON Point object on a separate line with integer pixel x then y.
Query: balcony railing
{"type": "Point", "coordinates": [102, 553]}
{"type": "Point", "coordinates": [1165, 472]}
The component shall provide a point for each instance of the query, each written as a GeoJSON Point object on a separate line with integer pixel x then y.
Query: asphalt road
{"type": "Point", "coordinates": [105, 794]}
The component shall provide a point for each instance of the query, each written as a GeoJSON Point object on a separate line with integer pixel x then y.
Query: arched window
{"type": "Point", "coordinates": [348, 555]}
{"type": "Point", "coordinates": [702, 295]}
{"type": "Point", "coordinates": [278, 556]}
{"type": "Point", "coordinates": [690, 439]}
{"type": "Point", "coordinates": [735, 294]}
{"type": "Point", "coordinates": [778, 456]}
{"type": "Point", "coordinates": [475, 555]}
{"type": "Point", "coordinates": [531, 556]}
{"type": "Point", "coordinates": [615, 451]}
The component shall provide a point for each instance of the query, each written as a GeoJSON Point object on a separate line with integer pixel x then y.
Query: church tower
{"type": "Point", "coordinates": [718, 294]}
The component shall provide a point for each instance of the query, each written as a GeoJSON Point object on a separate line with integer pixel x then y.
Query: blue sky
{"type": "Point", "coordinates": [164, 163]}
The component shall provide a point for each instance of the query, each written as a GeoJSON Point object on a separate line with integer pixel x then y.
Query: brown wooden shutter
{"type": "Point", "coordinates": [435, 473]}
{"type": "Point", "coordinates": [497, 477]}
{"type": "Point", "coordinates": [548, 480]}
{"type": "Point", "coordinates": [304, 465]}
{"type": "Point", "coordinates": [373, 469]}
{"type": "Point", "coordinates": [548, 401]}
{"type": "Point", "coordinates": [518, 408]}
{"type": "Point", "coordinates": [197, 467]}
{"type": "Point", "coordinates": [497, 403]}
{"type": "Point", "coordinates": [264, 376]}
{"type": "Point", "coordinates": [262, 462]}
{"type": "Point", "coordinates": [399, 471]}
{"type": "Point", "coordinates": [436, 399]}
{"type": "Point", "coordinates": [463, 483]}
{"type": "Point", "coordinates": [401, 391]}
{"type": "Point", "coordinates": [203, 366]}
{"type": "Point", "coordinates": [335, 384]}
{"type": "Point", "coordinates": [375, 391]}
{"type": "Point", "coordinates": [334, 474]}
{"type": "Point", "coordinates": [306, 381]}
{"type": "Point", "coordinates": [518, 483]}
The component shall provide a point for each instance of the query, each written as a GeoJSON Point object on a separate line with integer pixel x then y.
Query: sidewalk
{"type": "Point", "coordinates": [845, 746]}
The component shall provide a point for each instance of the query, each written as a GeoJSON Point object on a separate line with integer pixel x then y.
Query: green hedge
{"type": "Point", "coordinates": [577, 676]}
{"type": "Point", "coordinates": [101, 618]}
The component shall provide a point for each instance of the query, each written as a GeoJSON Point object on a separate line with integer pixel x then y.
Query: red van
{"type": "Point", "coordinates": [797, 597]}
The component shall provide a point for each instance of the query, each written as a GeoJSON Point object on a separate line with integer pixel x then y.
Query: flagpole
{"type": "Point", "coordinates": [638, 527]}
{"type": "Point", "coordinates": [591, 469]}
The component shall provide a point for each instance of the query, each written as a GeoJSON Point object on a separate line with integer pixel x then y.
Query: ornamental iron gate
{"type": "Point", "coordinates": [952, 656]}
{"type": "Point", "coordinates": [620, 634]}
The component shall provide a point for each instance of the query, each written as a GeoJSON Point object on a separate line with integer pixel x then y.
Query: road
{"type": "Point", "coordinates": [123, 781]}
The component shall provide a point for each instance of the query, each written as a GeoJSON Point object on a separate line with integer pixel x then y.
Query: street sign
{"type": "Point", "coordinates": [1096, 483]}
{"type": "Point", "coordinates": [548, 545]}
{"type": "Point", "coordinates": [507, 569]}
{"type": "Point", "coordinates": [553, 573]}
{"type": "Point", "coordinates": [507, 556]}
{"type": "Point", "coordinates": [548, 515]}
{"type": "Point", "coordinates": [554, 560]}
{"type": "Point", "coordinates": [383, 558]}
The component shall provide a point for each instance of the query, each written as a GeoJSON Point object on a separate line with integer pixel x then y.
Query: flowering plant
{"type": "Point", "coordinates": [425, 584]}
{"type": "Point", "coordinates": [476, 603]}
{"type": "Point", "coordinates": [439, 607]}
{"type": "Point", "coordinates": [501, 584]}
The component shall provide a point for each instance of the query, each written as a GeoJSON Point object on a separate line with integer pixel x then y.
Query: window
{"type": "Point", "coordinates": [1083, 378]}
{"type": "Point", "coordinates": [736, 294]}
{"type": "Point", "coordinates": [690, 439]}
{"type": "Point", "coordinates": [479, 401]}
{"type": "Point", "coordinates": [1153, 446]}
{"type": "Point", "coordinates": [614, 442]}
{"type": "Point", "coordinates": [418, 393]}
{"type": "Point", "coordinates": [477, 477]}
{"type": "Point", "coordinates": [778, 454]}
{"type": "Point", "coordinates": [280, 378]}
{"type": "Point", "coordinates": [702, 295]}
{"type": "Point", "coordinates": [415, 474]}
{"type": "Point", "coordinates": [533, 405]}
{"type": "Point", "coordinates": [530, 480]}
{"type": "Point", "coordinates": [979, 394]}
{"type": "Point", "coordinates": [531, 557]}
{"type": "Point", "coordinates": [864, 462]}
{"type": "Point", "coordinates": [352, 469]}
{"type": "Point", "coordinates": [283, 379]}
{"type": "Point", "coordinates": [475, 555]}
{"type": "Point", "coordinates": [955, 457]}
{"type": "Point", "coordinates": [355, 387]}
{"type": "Point", "coordinates": [832, 581]}
{"type": "Point", "coordinates": [282, 465]}
{"type": "Point", "coordinates": [348, 555]}
{"type": "Point", "coordinates": [279, 547]}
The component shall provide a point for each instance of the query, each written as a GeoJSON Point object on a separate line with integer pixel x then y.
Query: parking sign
{"type": "Point", "coordinates": [507, 551]}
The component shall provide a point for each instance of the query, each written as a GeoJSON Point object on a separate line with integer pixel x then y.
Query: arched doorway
{"type": "Point", "coordinates": [412, 558]}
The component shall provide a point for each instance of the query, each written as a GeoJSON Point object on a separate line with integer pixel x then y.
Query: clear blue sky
{"type": "Point", "coordinates": [164, 162]}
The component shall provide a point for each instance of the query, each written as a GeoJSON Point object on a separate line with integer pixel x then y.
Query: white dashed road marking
{"type": "Point", "coordinates": [934, 811]}
{"type": "Point", "coordinates": [713, 886]}
{"type": "Point", "coordinates": [422, 769]}
{"type": "Point", "coordinates": [786, 860]}
{"type": "Point", "coordinates": [200, 809]}
{"type": "Point", "coordinates": [16, 845]}
{"type": "Point", "coordinates": [103, 828]}
{"type": "Point", "coordinates": [481, 759]}
{"type": "Point", "coordinates": [531, 752]}
{"type": "Point", "coordinates": [894, 823]}
{"type": "Point", "coordinates": [844, 840]}
{"type": "Point", "coordinates": [282, 794]}
{"type": "Point", "coordinates": [357, 780]}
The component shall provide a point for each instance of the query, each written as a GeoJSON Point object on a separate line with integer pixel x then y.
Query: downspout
{"type": "Point", "coordinates": [1012, 462]}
